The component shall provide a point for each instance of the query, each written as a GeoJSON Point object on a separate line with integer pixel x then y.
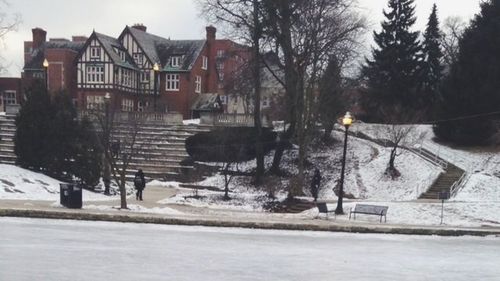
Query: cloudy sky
{"type": "Point", "coordinates": [177, 19]}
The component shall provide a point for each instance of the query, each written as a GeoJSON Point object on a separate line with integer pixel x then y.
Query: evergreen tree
{"type": "Point", "coordinates": [33, 123]}
{"type": "Point", "coordinates": [392, 75]}
{"type": "Point", "coordinates": [49, 138]}
{"type": "Point", "coordinates": [472, 86]}
{"type": "Point", "coordinates": [432, 68]}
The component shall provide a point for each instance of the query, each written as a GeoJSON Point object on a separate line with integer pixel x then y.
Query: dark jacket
{"type": "Point", "coordinates": [139, 184]}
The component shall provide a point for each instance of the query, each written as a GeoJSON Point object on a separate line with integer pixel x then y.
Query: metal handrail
{"type": "Point", "coordinates": [457, 185]}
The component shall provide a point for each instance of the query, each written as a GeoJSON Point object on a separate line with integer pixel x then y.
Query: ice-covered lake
{"type": "Point", "coordinates": [34, 249]}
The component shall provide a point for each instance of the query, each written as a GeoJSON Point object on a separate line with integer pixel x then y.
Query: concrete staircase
{"type": "Point", "coordinates": [7, 133]}
{"type": "Point", "coordinates": [444, 182]}
{"type": "Point", "coordinates": [161, 149]}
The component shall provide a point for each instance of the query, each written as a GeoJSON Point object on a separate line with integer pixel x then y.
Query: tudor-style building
{"type": "Point", "coordinates": [124, 67]}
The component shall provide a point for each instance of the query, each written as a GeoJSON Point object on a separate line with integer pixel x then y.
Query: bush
{"type": "Point", "coordinates": [466, 132]}
{"type": "Point", "coordinates": [228, 145]}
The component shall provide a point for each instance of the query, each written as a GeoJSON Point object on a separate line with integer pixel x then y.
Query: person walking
{"type": "Point", "coordinates": [316, 180]}
{"type": "Point", "coordinates": [139, 184]}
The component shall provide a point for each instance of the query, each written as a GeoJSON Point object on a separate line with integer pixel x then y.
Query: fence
{"type": "Point", "coordinates": [144, 117]}
{"type": "Point", "coordinates": [231, 120]}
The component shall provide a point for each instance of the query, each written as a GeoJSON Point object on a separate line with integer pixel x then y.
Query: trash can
{"type": "Point", "coordinates": [71, 195]}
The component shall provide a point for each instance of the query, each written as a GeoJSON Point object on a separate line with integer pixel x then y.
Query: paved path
{"type": "Point", "coordinates": [189, 215]}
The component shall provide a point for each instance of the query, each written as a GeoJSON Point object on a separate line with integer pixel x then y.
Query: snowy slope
{"type": "Point", "coordinates": [20, 184]}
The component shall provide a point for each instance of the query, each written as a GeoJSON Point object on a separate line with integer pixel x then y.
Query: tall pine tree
{"type": "Point", "coordinates": [432, 68]}
{"type": "Point", "coordinates": [392, 75]}
{"type": "Point", "coordinates": [472, 86]}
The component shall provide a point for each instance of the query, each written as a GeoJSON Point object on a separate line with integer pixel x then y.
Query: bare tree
{"type": "Point", "coordinates": [245, 17]}
{"type": "Point", "coordinates": [8, 23]}
{"type": "Point", "coordinates": [306, 34]}
{"type": "Point", "coordinates": [398, 135]}
{"type": "Point", "coordinates": [118, 134]}
{"type": "Point", "coordinates": [453, 28]}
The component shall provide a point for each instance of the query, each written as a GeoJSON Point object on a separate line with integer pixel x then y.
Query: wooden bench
{"type": "Point", "coordinates": [369, 210]}
{"type": "Point", "coordinates": [322, 208]}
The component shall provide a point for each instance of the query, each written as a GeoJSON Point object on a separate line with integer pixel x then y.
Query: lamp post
{"type": "Point", "coordinates": [346, 121]}
{"type": "Point", "coordinates": [106, 177]}
{"type": "Point", "coordinates": [156, 69]}
{"type": "Point", "coordinates": [46, 70]}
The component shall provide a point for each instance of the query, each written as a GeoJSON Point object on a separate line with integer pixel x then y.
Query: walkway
{"type": "Point", "coordinates": [188, 215]}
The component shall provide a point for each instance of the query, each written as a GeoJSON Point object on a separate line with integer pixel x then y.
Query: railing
{"type": "Point", "coordinates": [143, 117]}
{"type": "Point", "coordinates": [459, 184]}
{"type": "Point", "coordinates": [231, 120]}
{"type": "Point", "coordinates": [429, 156]}
{"type": "Point", "coordinates": [12, 109]}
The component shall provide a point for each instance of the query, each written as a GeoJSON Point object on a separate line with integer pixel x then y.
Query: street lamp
{"type": "Point", "coordinates": [46, 68]}
{"type": "Point", "coordinates": [346, 121]}
{"type": "Point", "coordinates": [106, 177]}
{"type": "Point", "coordinates": [156, 69]}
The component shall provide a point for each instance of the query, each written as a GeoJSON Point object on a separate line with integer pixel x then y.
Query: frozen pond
{"type": "Point", "coordinates": [32, 249]}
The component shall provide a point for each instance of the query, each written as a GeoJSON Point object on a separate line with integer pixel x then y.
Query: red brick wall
{"type": "Point", "coordinates": [62, 70]}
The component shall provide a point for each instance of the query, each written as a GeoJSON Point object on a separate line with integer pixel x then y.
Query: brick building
{"type": "Point", "coordinates": [10, 93]}
{"type": "Point", "coordinates": [128, 68]}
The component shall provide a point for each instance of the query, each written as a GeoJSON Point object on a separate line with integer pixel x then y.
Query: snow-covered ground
{"type": "Point", "coordinates": [76, 250]}
{"type": "Point", "coordinates": [21, 184]}
{"type": "Point", "coordinates": [477, 204]}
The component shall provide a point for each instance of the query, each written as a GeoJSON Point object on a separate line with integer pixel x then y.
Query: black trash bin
{"type": "Point", "coordinates": [71, 195]}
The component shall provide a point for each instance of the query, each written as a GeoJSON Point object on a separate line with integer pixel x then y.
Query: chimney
{"type": "Point", "coordinates": [79, 38]}
{"type": "Point", "coordinates": [140, 26]}
{"type": "Point", "coordinates": [39, 37]}
{"type": "Point", "coordinates": [211, 31]}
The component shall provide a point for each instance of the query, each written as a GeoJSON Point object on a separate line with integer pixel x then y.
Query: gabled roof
{"type": "Point", "coordinates": [159, 49]}
{"type": "Point", "coordinates": [109, 43]}
{"type": "Point", "coordinates": [189, 50]}
{"type": "Point", "coordinates": [38, 54]}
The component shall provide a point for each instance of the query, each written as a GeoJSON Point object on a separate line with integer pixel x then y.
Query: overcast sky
{"type": "Point", "coordinates": [177, 19]}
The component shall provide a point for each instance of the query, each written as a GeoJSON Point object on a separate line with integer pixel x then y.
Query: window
{"type": "Point", "coordinates": [197, 84]}
{"type": "Point", "coordinates": [172, 82]}
{"type": "Point", "coordinates": [126, 79]}
{"type": "Point", "coordinates": [265, 102]}
{"type": "Point", "coordinates": [220, 70]}
{"type": "Point", "coordinates": [138, 58]}
{"type": "Point", "coordinates": [223, 99]}
{"type": "Point", "coordinates": [142, 106]}
{"type": "Point", "coordinates": [122, 55]}
{"type": "Point", "coordinates": [145, 76]}
{"type": "Point", "coordinates": [39, 75]}
{"type": "Point", "coordinates": [127, 105]}
{"type": "Point", "coordinates": [220, 53]}
{"type": "Point", "coordinates": [175, 61]}
{"type": "Point", "coordinates": [95, 74]}
{"type": "Point", "coordinates": [205, 63]}
{"type": "Point", "coordinates": [95, 102]}
{"type": "Point", "coordinates": [95, 52]}
{"type": "Point", "coordinates": [9, 97]}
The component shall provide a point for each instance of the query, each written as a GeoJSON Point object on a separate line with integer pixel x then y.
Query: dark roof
{"type": "Point", "coordinates": [207, 102]}
{"type": "Point", "coordinates": [109, 43]}
{"type": "Point", "coordinates": [159, 49]}
{"type": "Point", "coordinates": [38, 54]}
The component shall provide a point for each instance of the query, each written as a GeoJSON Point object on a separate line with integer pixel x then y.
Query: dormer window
{"type": "Point", "coordinates": [95, 52]}
{"type": "Point", "coordinates": [175, 61]}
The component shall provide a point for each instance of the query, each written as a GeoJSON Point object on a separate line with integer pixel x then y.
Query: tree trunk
{"type": "Point", "coordinates": [392, 158]}
{"type": "Point", "coordinates": [291, 78]}
{"type": "Point", "coordinates": [226, 181]}
{"type": "Point", "coordinates": [257, 88]}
